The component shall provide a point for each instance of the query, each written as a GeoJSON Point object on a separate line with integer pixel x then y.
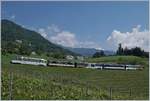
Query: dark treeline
{"type": "Point", "coordinates": [98, 54]}
{"type": "Point", "coordinates": [137, 51]}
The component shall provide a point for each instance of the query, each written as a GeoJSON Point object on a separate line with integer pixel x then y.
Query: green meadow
{"type": "Point", "coordinates": [38, 82]}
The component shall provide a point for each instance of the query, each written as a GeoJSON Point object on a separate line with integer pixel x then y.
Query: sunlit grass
{"type": "Point", "coordinates": [38, 82]}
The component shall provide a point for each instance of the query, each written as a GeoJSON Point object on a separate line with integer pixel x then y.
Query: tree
{"type": "Point", "coordinates": [146, 54]}
{"type": "Point", "coordinates": [39, 52]}
{"type": "Point", "coordinates": [58, 55]}
{"type": "Point", "coordinates": [125, 51]}
{"type": "Point", "coordinates": [137, 51]}
{"type": "Point", "coordinates": [120, 50]}
{"type": "Point", "coordinates": [99, 54]}
{"type": "Point", "coordinates": [47, 54]}
{"type": "Point", "coordinates": [24, 49]}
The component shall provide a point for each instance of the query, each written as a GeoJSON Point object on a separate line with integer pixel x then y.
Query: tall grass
{"type": "Point", "coordinates": [37, 82]}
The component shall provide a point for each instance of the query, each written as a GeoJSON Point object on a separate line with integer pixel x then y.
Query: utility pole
{"type": "Point", "coordinates": [110, 91]}
{"type": "Point", "coordinates": [10, 85]}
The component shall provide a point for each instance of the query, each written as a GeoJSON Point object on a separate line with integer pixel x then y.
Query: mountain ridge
{"type": "Point", "coordinates": [89, 51]}
{"type": "Point", "coordinates": [10, 32]}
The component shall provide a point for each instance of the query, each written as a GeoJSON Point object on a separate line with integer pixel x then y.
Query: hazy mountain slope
{"type": "Point", "coordinates": [88, 51]}
{"type": "Point", "coordinates": [33, 41]}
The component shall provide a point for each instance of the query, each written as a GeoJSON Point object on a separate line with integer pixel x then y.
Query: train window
{"type": "Point", "coordinates": [92, 65]}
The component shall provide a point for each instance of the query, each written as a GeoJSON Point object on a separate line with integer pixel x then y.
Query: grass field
{"type": "Point", "coordinates": [37, 82]}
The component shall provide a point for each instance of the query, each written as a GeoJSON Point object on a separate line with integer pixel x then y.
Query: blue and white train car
{"type": "Point", "coordinates": [94, 66]}
{"type": "Point", "coordinates": [113, 66]}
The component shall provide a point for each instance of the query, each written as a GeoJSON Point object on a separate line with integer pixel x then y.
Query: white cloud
{"type": "Point", "coordinates": [12, 17]}
{"type": "Point", "coordinates": [49, 31]}
{"type": "Point", "coordinates": [42, 32]}
{"type": "Point", "coordinates": [89, 44]}
{"type": "Point", "coordinates": [53, 28]}
{"type": "Point", "coordinates": [64, 38]}
{"type": "Point", "coordinates": [68, 39]}
{"type": "Point", "coordinates": [130, 39]}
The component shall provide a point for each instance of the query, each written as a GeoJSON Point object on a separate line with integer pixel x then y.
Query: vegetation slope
{"type": "Point", "coordinates": [17, 39]}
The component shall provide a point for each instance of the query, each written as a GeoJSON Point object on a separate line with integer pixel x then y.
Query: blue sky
{"type": "Point", "coordinates": [88, 24]}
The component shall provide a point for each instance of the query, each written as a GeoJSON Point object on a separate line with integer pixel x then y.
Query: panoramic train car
{"type": "Point", "coordinates": [114, 66]}
{"type": "Point", "coordinates": [60, 63]}
{"type": "Point", "coordinates": [65, 63]}
{"type": "Point", "coordinates": [94, 66]}
{"type": "Point", "coordinates": [134, 67]}
{"type": "Point", "coordinates": [29, 60]}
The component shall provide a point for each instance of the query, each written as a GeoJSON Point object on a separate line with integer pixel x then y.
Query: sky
{"type": "Point", "coordinates": [92, 24]}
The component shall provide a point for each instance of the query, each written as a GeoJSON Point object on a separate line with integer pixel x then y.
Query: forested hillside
{"type": "Point", "coordinates": [16, 39]}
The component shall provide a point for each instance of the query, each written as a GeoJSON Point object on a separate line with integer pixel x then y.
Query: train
{"type": "Point", "coordinates": [29, 60]}
{"type": "Point", "coordinates": [63, 63]}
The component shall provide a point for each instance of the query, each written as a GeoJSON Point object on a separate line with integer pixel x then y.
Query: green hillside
{"type": "Point", "coordinates": [37, 82]}
{"type": "Point", "coordinates": [16, 39]}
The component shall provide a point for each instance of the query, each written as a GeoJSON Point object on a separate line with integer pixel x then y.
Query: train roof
{"type": "Point", "coordinates": [24, 57]}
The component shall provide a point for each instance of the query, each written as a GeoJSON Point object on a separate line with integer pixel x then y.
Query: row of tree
{"type": "Point", "coordinates": [136, 51]}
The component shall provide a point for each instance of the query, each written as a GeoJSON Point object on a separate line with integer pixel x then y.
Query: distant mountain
{"type": "Point", "coordinates": [15, 38]}
{"type": "Point", "coordinates": [89, 51]}
{"type": "Point", "coordinates": [109, 52]}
